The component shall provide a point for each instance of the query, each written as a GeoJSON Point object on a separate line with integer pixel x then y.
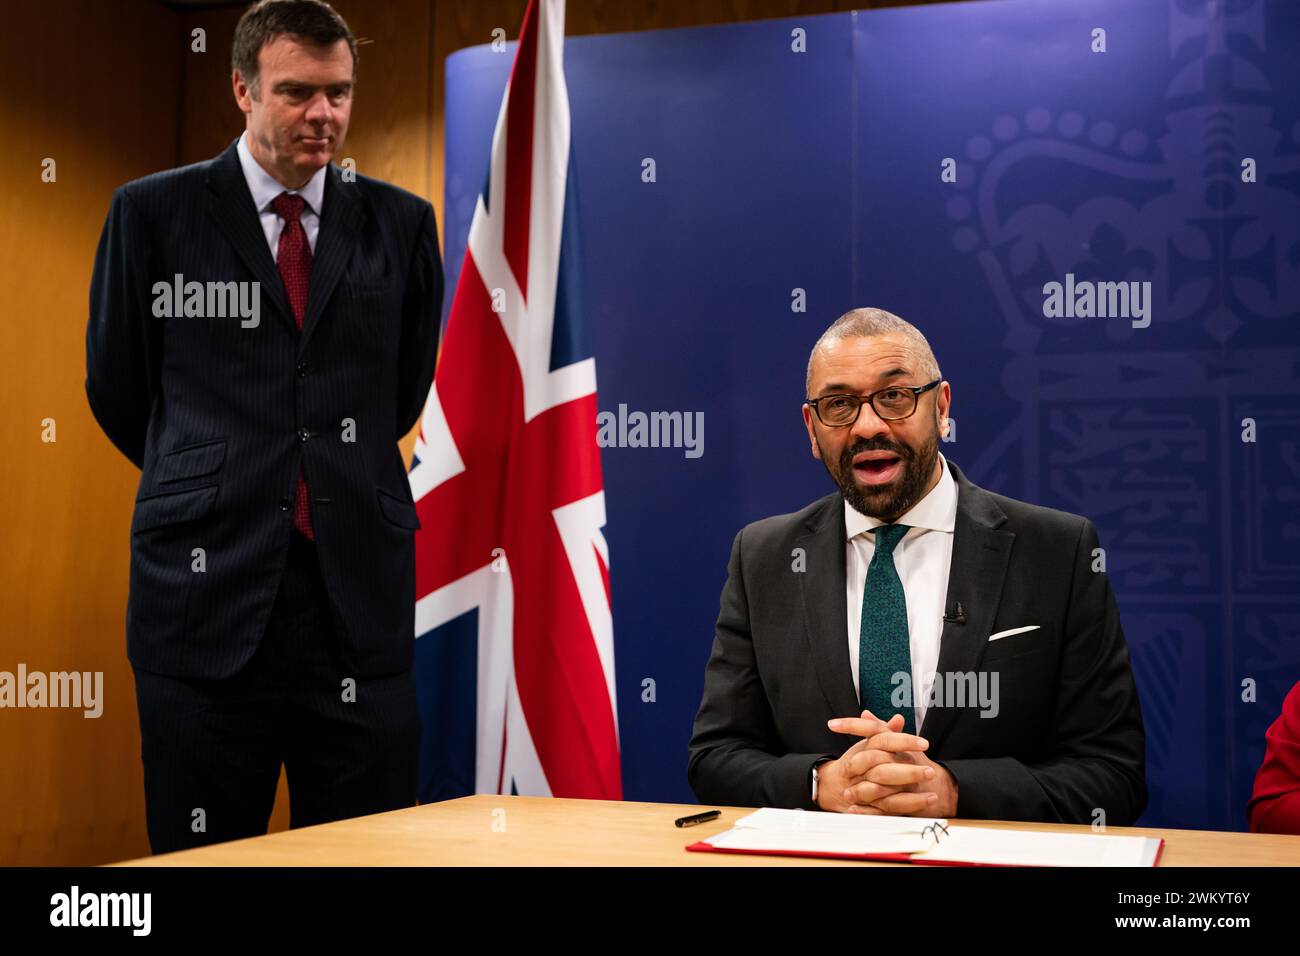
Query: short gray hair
{"type": "Point", "coordinates": [863, 323]}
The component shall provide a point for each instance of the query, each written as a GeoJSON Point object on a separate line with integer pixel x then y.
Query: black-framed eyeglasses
{"type": "Point", "coordinates": [891, 404]}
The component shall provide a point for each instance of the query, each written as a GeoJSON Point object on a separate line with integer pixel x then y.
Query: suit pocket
{"type": "Point", "coordinates": [192, 461]}
{"type": "Point", "coordinates": [366, 290]}
{"type": "Point", "coordinates": [373, 305]}
{"type": "Point", "coordinates": [1017, 645]}
{"type": "Point", "coordinates": [398, 511]}
{"type": "Point", "coordinates": [369, 271]}
{"type": "Point", "coordinates": [1012, 632]}
{"type": "Point", "coordinates": [175, 507]}
{"type": "Point", "coordinates": [369, 282]}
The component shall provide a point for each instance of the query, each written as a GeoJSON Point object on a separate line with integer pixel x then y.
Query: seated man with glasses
{"type": "Point", "coordinates": [913, 644]}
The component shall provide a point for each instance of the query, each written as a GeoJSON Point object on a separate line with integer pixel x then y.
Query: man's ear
{"type": "Point", "coordinates": [243, 94]}
{"type": "Point", "coordinates": [942, 407]}
{"type": "Point", "coordinates": [812, 434]}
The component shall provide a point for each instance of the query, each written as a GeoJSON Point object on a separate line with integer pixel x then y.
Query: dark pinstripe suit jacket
{"type": "Point", "coordinates": [1067, 735]}
{"type": "Point", "coordinates": [220, 417]}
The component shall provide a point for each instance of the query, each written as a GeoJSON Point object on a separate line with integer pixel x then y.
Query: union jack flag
{"type": "Point", "coordinates": [514, 636]}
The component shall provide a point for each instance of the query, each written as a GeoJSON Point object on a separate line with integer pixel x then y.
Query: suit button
{"type": "Point", "coordinates": [302, 369]}
{"type": "Point", "coordinates": [303, 435]}
{"type": "Point", "coordinates": [284, 504]}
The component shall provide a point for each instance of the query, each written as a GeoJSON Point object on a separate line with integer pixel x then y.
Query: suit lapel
{"type": "Point", "coordinates": [825, 606]}
{"type": "Point", "coordinates": [231, 207]}
{"type": "Point", "coordinates": [980, 553]}
{"type": "Point", "coordinates": [340, 229]}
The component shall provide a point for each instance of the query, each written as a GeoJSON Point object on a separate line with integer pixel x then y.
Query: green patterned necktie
{"type": "Point", "coordinates": [883, 646]}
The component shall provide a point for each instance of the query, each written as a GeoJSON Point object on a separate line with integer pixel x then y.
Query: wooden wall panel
{"type": "Point", "coordinates": [92, 86]}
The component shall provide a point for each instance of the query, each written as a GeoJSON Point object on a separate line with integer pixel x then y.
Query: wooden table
{"type": "Point", "coordinates": [490, 830]}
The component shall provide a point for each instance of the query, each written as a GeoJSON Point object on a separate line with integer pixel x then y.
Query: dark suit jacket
{"type": "Point", "coordinates": [220, 417]}
{"type": "Point", "coordinates": [1068, 737]}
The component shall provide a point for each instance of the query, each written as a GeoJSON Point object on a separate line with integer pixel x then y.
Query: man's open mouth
{"type": "Point", "coordinates": [876, 468]}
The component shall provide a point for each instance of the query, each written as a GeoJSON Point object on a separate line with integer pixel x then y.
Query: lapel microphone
{"type": "Point", "coordinates": [956, 617]}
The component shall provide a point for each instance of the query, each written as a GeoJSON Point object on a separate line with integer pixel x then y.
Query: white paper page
{"type": "Point", "coordinates": [805, 831]}
{"type": "Point", "coordinates": [1022, 848]}
{"type": "Point", "coordinates": [818, 841]}
{"type": "Point", "coordinates": [772, 820]}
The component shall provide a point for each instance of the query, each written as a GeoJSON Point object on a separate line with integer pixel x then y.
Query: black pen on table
{"type": "Point", "coordinates": [698, 818]}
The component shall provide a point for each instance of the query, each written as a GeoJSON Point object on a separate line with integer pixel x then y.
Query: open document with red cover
{"type": "Point", "coordinates": [773, 832]}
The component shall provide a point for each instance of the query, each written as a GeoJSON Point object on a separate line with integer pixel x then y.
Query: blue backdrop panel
{"type": "Point", "coordinates": [820, 171]}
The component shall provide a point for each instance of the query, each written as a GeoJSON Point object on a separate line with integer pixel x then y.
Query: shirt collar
{"type": "Point", "coordinates": [265, 187]}
{"type": "Point", "coordinates": [937, 511]}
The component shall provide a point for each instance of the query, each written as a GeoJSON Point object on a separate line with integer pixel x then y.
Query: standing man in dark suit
{"type": "Point", "coordinates": [263, 329]}
{"type": "Point", "coordinates": [915, 595]}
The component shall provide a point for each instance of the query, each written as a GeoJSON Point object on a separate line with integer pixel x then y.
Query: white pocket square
{"type": "Point", "coordinates": [1015, 630]}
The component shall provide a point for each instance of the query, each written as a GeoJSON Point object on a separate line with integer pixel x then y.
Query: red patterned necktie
{"type": "Point", "coordinates": [293, 259]}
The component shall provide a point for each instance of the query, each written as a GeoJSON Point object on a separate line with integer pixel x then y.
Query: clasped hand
{"type": "Point", "coordinates": [886, 772]}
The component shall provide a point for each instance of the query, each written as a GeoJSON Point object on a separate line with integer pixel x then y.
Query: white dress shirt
{"type": "Point", "coordinates": [265, 188]}
{"type": "Point", "coordinates": [922, 559]}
